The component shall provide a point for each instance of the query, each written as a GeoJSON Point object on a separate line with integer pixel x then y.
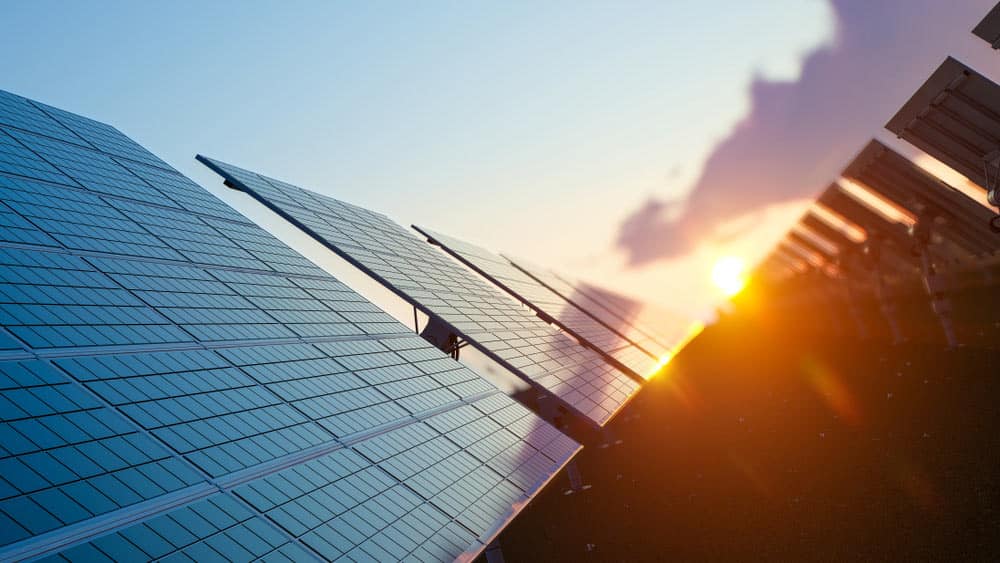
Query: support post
{"type": "Point", "coordinates": [608, 438]}
{"type": "Point", "coordinates": [441, 336]}
{"type": "Point", "coordinates": [934, 282]}
{"type": "Point", "coordinates": [850, 295]}
{"type": "Point", "coordinates": [873, 252]}
{"type": "Point", "coordinates": [494, 554]}
{"type": "Point", "coordinates": [991, 170]}
{"type": "Point", "coordinates": [575, 479]}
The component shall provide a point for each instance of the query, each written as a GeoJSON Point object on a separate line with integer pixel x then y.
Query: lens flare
{"type": "Point", "coordinates": [728, 275]}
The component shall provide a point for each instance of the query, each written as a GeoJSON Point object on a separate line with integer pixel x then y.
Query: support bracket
{"type": "Point", "coordinates": [991, 170]}
{"type": "Point", "coordinates": [443, 337]}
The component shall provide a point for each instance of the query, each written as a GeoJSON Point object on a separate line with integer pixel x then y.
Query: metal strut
{"type": "Point", "coordinates": [934, 283]}
{"type": "Point", "coordinates": [991, 169]}
{"type": "Point", "coordinates": [873, 253]}
{"type": "Point", "coordinates": [494, 553]}
{"type": "Point", "coordinates": [850, 296]}
{"type": "Point", "coordinates": [443, 337]}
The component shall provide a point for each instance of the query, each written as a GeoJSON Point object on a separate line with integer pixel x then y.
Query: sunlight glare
{"type": "Point", "coordinates": [728, 275]}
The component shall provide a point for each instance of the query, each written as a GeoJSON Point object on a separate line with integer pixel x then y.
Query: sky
{"type": "Point", "coordinates": [628, 144]}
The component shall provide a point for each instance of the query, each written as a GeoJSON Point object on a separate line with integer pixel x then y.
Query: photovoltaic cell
{"type": "Point", "coordinates": [214, 414]}
{"type": "Point", "coordinates": [549, 304]}
{"type": "Point", "coordinates": [65, 457]}
{"type": "Point", "coordinates": [160, 354]}
{"type": "Point", "coordinates": [477, 311]}
{"type": "Point", "coordinates": [218, 528]}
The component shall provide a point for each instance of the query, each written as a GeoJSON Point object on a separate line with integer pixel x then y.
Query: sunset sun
{"type": "Point", "coordinates": [728, 275]}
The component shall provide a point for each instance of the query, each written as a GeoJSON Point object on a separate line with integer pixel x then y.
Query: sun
{"type": "Point", "coordinates": [728, 275]}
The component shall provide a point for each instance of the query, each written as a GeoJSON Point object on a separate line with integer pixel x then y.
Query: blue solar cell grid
{"type": "Point", "coordinates": [161, 358]}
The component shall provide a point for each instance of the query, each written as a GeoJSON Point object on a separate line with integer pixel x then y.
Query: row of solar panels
{"type": "Point", "coordinates": [176, 383]}
{"type": "Point", "coordinates": [891, 222]}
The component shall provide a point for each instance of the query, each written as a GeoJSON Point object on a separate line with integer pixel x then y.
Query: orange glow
{"type": "Point", "coordinates": [692, 331]}
{"type": "Point", "coordinates": [664, 360]}
{"type": "Point", "coordinates": [833, 391]}
{"type": "Point", "coordinates": [729, 275]}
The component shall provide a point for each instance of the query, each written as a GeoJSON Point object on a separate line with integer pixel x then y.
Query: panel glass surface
{"type": "Point", "coordinates": [477, 311]}
{"type": "Point", "coordinates": [218, 528]}
{"type": "Point", "coordinates": [158, 351]}
{"type": "Point", "coordinates": [666, 328]}
{"type": "Point", "coordinates": [549, 304]}
{"type": "Point", "coordinates": [623, 325]}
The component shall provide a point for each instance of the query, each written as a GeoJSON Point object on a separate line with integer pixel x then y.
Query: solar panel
{"type": "Point", "coordinates": [176, 382]}
{"type": "Point", "coordinates": [953, 214]}
{"type": "Point", "coordinates": [549, 305]}
{"type": "Point", "coordinates": [894, 240]}
{"type": "Point", "coordinates": [447, 292]}
{"type": "Point", "coordinates": [790, 248]}
{"type": "Point", "coordinates": [827, 232]}
{"type": "Point", "coordinates": [955, 117]}
{"type": "Point", "coordinates": [989, 28]}
{"type": "Point", "coordinates": [668, 329]}
{"type": "Point", "coordinates": [800, 240]}
{"type": "Point", "coordinates": [593, 307]}
{"type": "Point", "coordinates": [778, 266]}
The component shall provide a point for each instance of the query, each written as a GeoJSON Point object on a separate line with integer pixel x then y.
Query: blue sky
{"type": "Point", "coordinates": [533, 128]}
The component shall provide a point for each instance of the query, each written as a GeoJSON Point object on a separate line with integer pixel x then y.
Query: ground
{"type": "Point", "coordinates": [777, 438]}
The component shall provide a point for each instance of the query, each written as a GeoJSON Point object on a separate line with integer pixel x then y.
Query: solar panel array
{"type": "Point", "coordinates": [549, 304]}
{"type": "Point", "coordinates": [921, 235]}
{"type": "Point", "coordinates": [477, 311]}
{"type": "Point", "coordinates": [963, 221]}
{"type": "Point", "coordinates": [893, 235]}
{"type": "Point", "coordinates": [177, 383]}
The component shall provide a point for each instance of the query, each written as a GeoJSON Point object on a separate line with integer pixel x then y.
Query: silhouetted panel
{"type": "Point", "coordinates": [953, 214]}
{"type": "Point", "coordinates": [955, 117]}
{"type": "Point", "coordinates": [989, 28]}
{"type": "Point", "coordinates": [890, 235]}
